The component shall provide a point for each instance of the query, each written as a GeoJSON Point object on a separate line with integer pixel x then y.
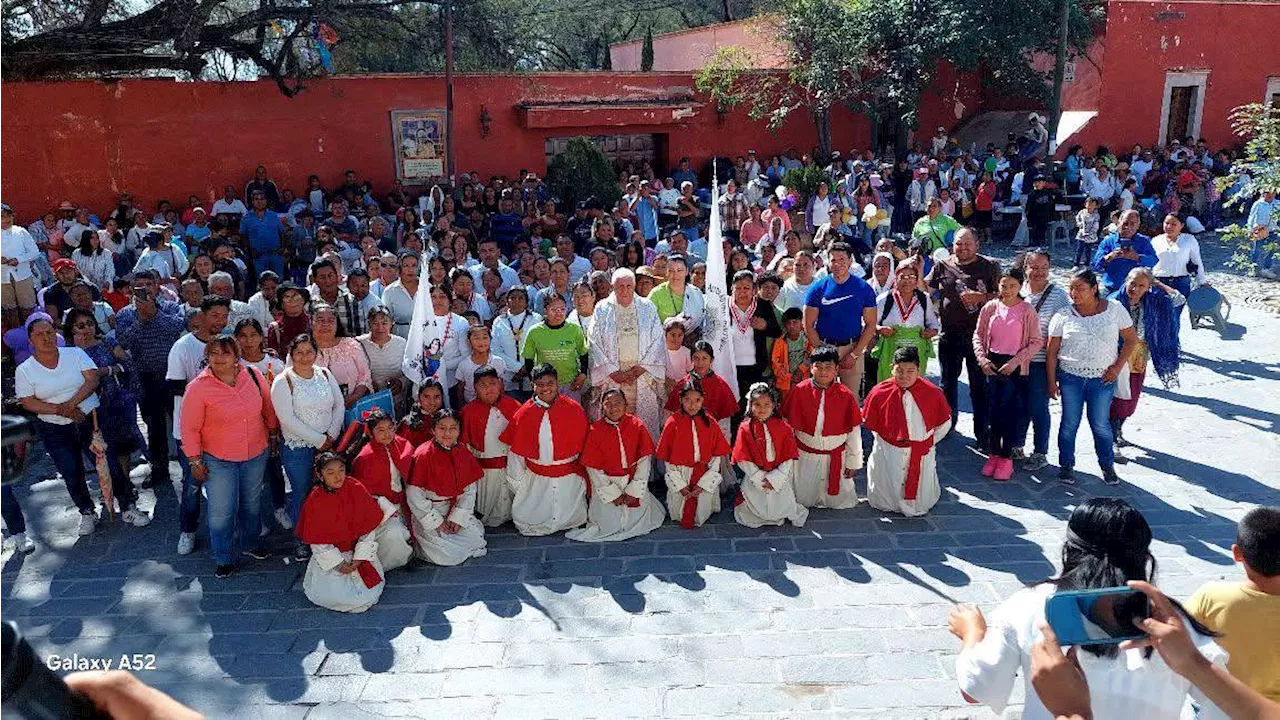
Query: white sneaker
{"type": "Point", "coordinates": [186, 543]}
{"type": "Point", "coordinates": [88, 523]}
{"type": "Point", "coordinates": [136, 517]}
{"type": "Point", "coordinates": [282, 517]}
{"type": "Point", "coordinates": [22, 543]}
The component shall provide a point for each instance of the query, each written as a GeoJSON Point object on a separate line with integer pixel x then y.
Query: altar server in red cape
{"type": "Point", "coordinates": [825, 416]}
{"type": "Point", "coordinates": [908, 416]}
{"type": "Point", "coordinates": [546, 436]}
{"type": "Point", "coordinates": [690, 445]}
{"type": "Point", "coordinates": [765, 450]}
{"type": "Point", "coordinates": [483, 422]}
{"type": "Point", "coordinates": [416, 426]}
{"type": "Point", "coordinates": [618, 459]}
{"type": "Point", "coordinates": [442, 496]}
{"type": "Point", "coordinates": [339, 521]}
{"type": "Point", "coordinates": [719, 401]}
{"type": "Point", "coordinates": [382, 466]}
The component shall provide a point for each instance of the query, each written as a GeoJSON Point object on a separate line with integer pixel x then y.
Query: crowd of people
{"type": "Point", "coordinates": [276, 348]}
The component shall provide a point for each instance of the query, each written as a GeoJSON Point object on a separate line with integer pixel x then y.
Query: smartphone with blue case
{"type": "Point", "coordinates": [1096, 617]}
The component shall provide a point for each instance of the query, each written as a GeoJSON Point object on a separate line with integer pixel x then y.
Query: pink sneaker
{"type": "Point", "coordinates": [990, 467]}
{"type": "Point", "coordinates": [1004, 469]}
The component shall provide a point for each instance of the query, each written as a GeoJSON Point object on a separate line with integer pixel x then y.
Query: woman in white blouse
{"type": "Point", "coordinates": [1107, 544]}
{"type": "Point", "coordinates": [94, 261]}
{"type": "Point", "coordinates": [309, 404]}
{"type": "Point", "coordinates": [1178, 258]}
{"type": "Point", "coordinates": [1083, 360]}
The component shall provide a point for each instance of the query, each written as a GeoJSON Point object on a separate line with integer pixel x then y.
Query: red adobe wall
{"type": "Point", "coordinates": [1234, 41]}
{"type": "Point", "coordinates": [690, 49]}
{"type": "Point", "coordinates": [88, 141]}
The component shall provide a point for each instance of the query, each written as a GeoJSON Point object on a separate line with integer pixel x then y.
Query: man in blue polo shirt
{"type": "Point", "coordinates": [264, 231]}
{"type": "Point", "coordinates": [840, 310]}
{"type": "Point", "coordinates": [1122, 251]}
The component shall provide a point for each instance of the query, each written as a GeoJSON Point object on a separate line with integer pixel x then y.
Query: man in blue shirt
{"type": "Point", "coordinates": [1122, 251]}
{"type": "Point", "coordinates": [1260, 229]}
{"type": "Point", "coordinates": [264, 231]}
{"type": "Point", "coordinates": [645, 208]}
{"type": "Point", "coordinates": [505, 226]}
{"type": "Point", "coordinates": [840, 310]}
{"type": "Point", "coordinates": [685, 173]}
{"type": "Point", "coordinates": [148, 328]}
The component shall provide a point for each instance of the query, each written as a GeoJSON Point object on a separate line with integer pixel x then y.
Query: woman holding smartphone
{"type": "Point", "coordinates": [1107, 544]}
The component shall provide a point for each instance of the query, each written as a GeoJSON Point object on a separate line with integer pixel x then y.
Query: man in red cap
{"type": "Point", "coordinates": [57, 297]}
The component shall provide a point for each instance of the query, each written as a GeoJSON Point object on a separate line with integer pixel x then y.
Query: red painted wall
{"type": "Point", "coordinates": [88, 141]}
{"type": "Point", "coordinates": [1234, 41]}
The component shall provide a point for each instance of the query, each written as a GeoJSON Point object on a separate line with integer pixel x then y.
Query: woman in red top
{"type": "Point", "coordinates": [983, 201]}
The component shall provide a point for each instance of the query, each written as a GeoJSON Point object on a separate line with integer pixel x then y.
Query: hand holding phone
{"type": "Point", "coordinates": [1106, 616]}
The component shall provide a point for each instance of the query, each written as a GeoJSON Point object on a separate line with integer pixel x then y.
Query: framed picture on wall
{"type": "Point", "coordinates": [418, 137]}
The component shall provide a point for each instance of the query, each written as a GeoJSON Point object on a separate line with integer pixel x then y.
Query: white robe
{"type": "Point", "coordinates": [608, 522]}
{"type": "Point", "coordinates": [769, 507]}
{"type": "Point", "coordinates": [811, 470]}
{"type": "Point", "coordinates": [429, 513]}
{"type": "Point", "coordinates": [493, 494]}
{"type": "Point", "coordinates": [542, 505]}
{"type": "Point", "coordinates": [650, 387]}
{"type": "Point", "coordinates": [887, 469]}
{"type": "Point", "coordinates": [678, 476]}
{"type": "Point", "coordinates": [386, 547]}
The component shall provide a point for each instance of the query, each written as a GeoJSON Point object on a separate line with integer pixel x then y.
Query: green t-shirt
{"type": "Point", "coordinates": [668, 303]}
{"type": "Point", "coordinates": [560, 346]}
{"type": "Point", "coordinates": [936, 233]}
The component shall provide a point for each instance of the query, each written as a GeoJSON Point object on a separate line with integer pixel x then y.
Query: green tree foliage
{"type": "Point", "coordinates": [582, 171]}
{"type": "Point", "coordinates": [646, 50]}
{"type": "Point", "coordinates": [880, 56]}
{"type": "Point", "coordinates": [805, 180]}
{"type": "Point", "coordinates": [1257, 169]}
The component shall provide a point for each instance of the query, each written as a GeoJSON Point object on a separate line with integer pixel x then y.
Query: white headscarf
{"type": "Point", "coordinates": [888, 283]}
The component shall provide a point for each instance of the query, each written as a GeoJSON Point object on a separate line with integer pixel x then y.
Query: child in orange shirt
{"type": "Point", "coordinates": [790, 355]}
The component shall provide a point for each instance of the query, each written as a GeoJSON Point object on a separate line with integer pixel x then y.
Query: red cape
{"type": "Point", "coordinates": [800, 408]}
{"type": "Point", "coordinates": [417, 437]}
{"type": "Point", "coordinates": [603, 449]}
{"type": "Point", "coordinates": [718, 399]}
{"type": "Point", "coordinates": [446, 473]}
{"type": "Point", "coordinates": [340, 518]}
{"type": "Point", "coordinates": [568, 423]}
{"type": "Point", "coordinates": [475, 419]}
{"type": "Point", "coordinates": [886, 417]}
{"type": "Point", "coordinates": [676, 443]}
{"type": "Point", "coordinates": [750, 445]}
{"type": "Point", "coordinates": [372, 467]}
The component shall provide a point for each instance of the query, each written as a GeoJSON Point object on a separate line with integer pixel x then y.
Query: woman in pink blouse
{"type": "Point", "coordinates": [1008, 336]}
{"type": "Point", "coordinates": [227, 425]}
{"type": "Point", "coordinates": [343, 356]}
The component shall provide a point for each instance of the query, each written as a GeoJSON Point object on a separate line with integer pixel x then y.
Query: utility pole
{"type": "Point", "coordinates": [448, 90]}
{"type": "Point", "coordinates": [1059, 74]}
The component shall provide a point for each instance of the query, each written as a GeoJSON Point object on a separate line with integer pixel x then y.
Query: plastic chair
{"type": "Point", "coordinates": [1206, 303]}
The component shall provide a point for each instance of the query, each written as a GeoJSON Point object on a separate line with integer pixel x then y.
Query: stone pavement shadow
{"type": "Point", "coordinates": [1221, 408]}
{"type": "Point", "coordinates": [1235, 369]}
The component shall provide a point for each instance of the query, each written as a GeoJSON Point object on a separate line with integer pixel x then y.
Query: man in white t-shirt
{"type": "Point", "coordinates": [186, 360]}
{"type": "Point", "coordinates": [17, 281]}
{"type": "Point", "coordinates": [229, 204]}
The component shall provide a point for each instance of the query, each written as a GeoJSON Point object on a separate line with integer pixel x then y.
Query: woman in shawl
{"type": "Point", "coordinates": [1153, 306]}
{"type": "Point", "coordinates": [883, 266]}
{"type": "Point", "coordinates": [340, 520]}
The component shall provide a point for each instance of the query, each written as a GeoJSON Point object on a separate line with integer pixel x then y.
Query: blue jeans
{"type": "Point", "coordinates": [270, 261]}
{"type": "Point", "coordinates": [1081, 395]}
{"type": "Point", "coordinates": [297, 466]}
{"type": "Point", "coordinates": [1262, 256]}
{"type": "Point", "coordinates": [12, 512]}
{"type": "Point", "coordinates": [189, 500]}
{"type": "Point", "coordinates": [234, 493]}
{"type": "Point", "coordinates": [1037, 414]}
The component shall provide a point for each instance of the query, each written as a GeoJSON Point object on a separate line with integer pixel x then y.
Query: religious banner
{"type": "Point", "coordinates": [716, 324]}
{"type": "Point", "coordinates": [418, 137]}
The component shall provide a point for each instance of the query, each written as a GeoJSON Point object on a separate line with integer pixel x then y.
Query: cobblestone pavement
{"type": "Point", "coordinates": [842, 618]}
